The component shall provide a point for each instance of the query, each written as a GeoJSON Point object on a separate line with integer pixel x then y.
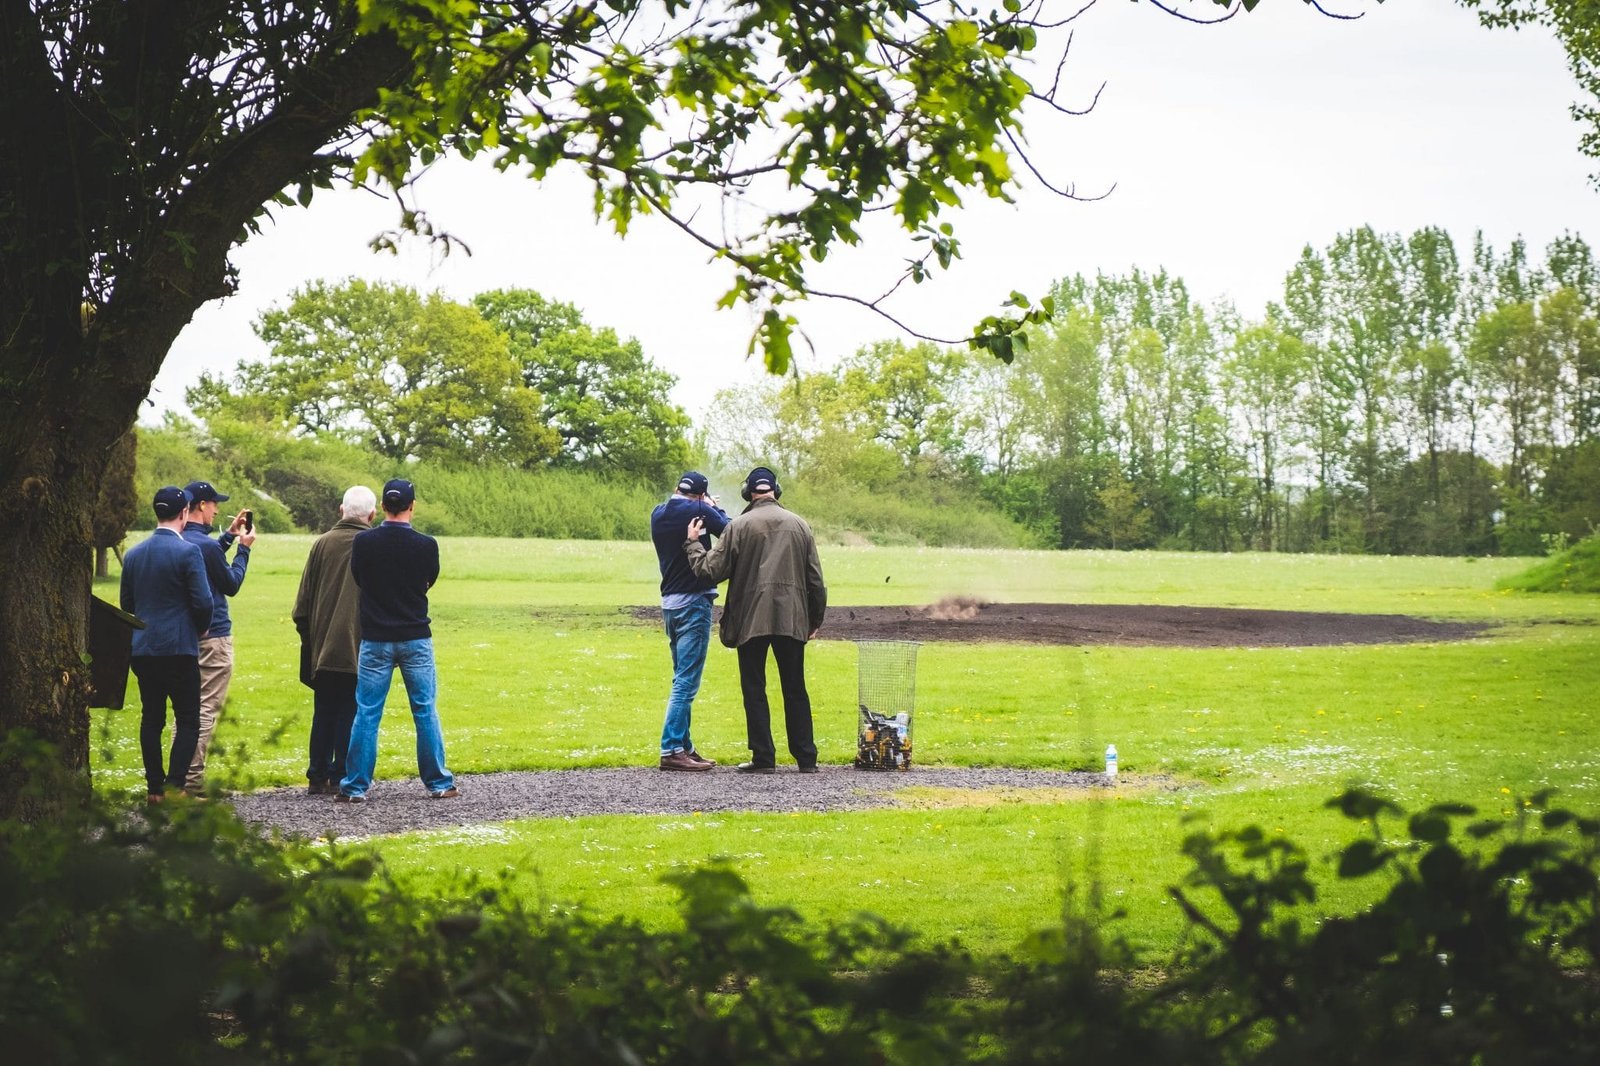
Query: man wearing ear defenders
{"type": "Point", "coordinates": [776, 600]}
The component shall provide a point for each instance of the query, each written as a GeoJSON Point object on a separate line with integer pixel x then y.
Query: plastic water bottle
{"type": "Point", "coordinates": [1111, 761]}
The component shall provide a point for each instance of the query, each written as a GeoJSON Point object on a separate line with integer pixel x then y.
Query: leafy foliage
{"type": "Point", "coordinates": [119, 505]}
{"type": "Point", "coordinates": [378, 365]}
{"type": "Point", "coordinates": [605, 399]}
{"type": "Point", "coordinates": [184, 929]}
{"type": "Point", "coordinates": [298, 483]}
{"type": "Point", "coordinates": [1575, 570]}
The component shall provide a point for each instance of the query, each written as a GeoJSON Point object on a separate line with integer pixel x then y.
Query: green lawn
{"type": "Point", "coordinates": [540, 669]}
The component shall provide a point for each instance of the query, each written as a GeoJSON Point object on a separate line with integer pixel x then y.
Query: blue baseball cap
{"type": "Point", "coordinates": [398, 494]}
{"type": "Point", "coordinates": [203, 492]}
{"type": "Point", "coordinates": [170, 502]}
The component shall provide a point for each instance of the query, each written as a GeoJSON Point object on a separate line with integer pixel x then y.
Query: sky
{"type": "Point", "coordinates": [1229, 147]}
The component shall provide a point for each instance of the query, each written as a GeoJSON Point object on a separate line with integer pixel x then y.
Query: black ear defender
{"type": "Point", "coordinates": [760, 474]}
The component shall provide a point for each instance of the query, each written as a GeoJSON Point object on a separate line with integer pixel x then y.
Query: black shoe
{"type": "Point", "coordinates": [754, 768]}
{"type": "Point", "coordinates": [808, 768]}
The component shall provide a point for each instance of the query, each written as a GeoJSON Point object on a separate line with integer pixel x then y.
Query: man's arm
{"type": "Point", "coordinates": [199, 590]}
{"type": "Point", "coordinates": [127, 596]}
{"type": "Point", "coordinates": [303, 597]}
{"type": "Point", "coordinates": [358, 563]}
{"type": "Point", "coordinates": [716, 519]}
{"type": "Point", "coordinates": [715, 565]}
{"type": "Point", "coordinates": [816, 591]}
{"type": "Point", "coordinates": [222, 577]}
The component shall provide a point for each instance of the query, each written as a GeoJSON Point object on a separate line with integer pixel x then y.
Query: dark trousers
{"type": "Point", "coordinates": [163, 678]}
{"type": "Point", "coordinates": [333, 709]}
{"type": "Point", "coordinates": [791, 657]}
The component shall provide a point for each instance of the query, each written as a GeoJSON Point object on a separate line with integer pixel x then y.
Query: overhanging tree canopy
{"type": "Point", "coordinates": [146, 138]}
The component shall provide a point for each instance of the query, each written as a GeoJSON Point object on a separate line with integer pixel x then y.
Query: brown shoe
{"type": "Point", "coordinates": [321, 788]}
{"type": "Point", "coordinates": [697, 757]}
{"type": "Point", "coordinates": [683, 760]}
{"type": "Point", "coordinates": [445, 793]}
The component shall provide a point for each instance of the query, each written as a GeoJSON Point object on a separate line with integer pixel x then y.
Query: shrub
{"type": "Point", "coordinates": [1575, 570]}
{"type": "Point", "coordinates": [180, 934]}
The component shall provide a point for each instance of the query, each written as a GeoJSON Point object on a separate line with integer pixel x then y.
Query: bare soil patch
{"type": "Point", "coordinates": [975, 621]}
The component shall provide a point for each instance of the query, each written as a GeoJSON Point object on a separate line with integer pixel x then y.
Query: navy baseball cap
{"type": "Point", "coordinates": [203, 492]}
{"type": "Point", "coordinates": [398, 494]}
{"type": "Point", "coordinates": [761, 480]}
{"type": "Point", "coordinates": [170, 502]}
{"type": "Point", "coordinates": [693, 483]}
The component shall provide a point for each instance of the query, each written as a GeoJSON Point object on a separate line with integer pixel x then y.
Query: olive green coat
{"type": "Point", "coordinates": [768, 557]}
{"type": "Point", "coordinates": [327, 608]}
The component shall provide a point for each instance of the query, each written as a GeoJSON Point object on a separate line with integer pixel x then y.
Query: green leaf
{"type": "Point", "coordinates": [1362, 857]}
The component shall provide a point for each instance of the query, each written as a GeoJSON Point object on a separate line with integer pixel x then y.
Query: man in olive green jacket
{"type": "Point", "coordinates": [327, 614]}
{"type": "Point", "coordinates": [776, 599]}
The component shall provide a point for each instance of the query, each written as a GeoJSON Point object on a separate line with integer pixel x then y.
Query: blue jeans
{"type": "Point", "coordinates": [374, 671]}
{"type": "Point", "coordinates": [689, 633]}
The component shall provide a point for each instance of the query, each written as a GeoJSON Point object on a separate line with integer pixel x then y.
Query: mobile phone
{"type": "Point", "coordinates": [249, 520]}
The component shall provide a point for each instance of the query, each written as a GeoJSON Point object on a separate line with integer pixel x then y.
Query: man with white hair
{"type": "Point", "coordinates": [326, 612]}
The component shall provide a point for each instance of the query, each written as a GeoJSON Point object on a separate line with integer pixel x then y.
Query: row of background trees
{"type": "Point", "coordinates": [1401, 397]}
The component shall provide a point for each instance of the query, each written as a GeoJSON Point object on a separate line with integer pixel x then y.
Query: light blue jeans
{"type": "Point", "coordinates": [689, 633]}
{"type": "Point", "coordinates": [374, 671]}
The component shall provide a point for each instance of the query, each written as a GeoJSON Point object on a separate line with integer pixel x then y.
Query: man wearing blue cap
{"type": "Point", "coordinates": [216, 646]}
{"type": "Point", "coordinates": [685, 611]}
{"type": "Point", "coordinates": [395, 566]}
{"type": "Point", "coordinates": [164, 583]}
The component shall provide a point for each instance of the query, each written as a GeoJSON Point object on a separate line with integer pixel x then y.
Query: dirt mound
{"type": "Point", "coordinates": [974, 621]}
{"type": "Point", "coordinates": [956, 609]}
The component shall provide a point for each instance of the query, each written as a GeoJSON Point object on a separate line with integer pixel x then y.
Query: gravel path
{"type": "Point", "coordinates": [403, 806]}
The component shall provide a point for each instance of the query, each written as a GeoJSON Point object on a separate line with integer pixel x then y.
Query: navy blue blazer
{"type": "Point", "coordinates": [164, 583]}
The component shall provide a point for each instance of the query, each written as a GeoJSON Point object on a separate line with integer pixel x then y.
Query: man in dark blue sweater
{"type": "Point", "coordinates": [685, 611]}
{"type": "Point", "coordinates": [394, 566]}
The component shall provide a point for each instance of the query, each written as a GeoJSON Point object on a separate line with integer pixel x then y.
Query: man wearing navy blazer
{"type": "Point", "coordinates": [164, 583]}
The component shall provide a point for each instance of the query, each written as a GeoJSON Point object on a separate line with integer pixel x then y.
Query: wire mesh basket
{"type": "Point", "coordinates": [886, 672]}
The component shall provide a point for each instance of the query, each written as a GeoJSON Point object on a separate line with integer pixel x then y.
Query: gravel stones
{"type": "Point", "coordinates": [404, 806]}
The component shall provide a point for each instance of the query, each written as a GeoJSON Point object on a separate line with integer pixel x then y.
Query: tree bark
{"type": "Point", "coordinates": [70, 389]}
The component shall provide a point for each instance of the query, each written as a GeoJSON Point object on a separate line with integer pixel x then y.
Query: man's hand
{"type": "Point", "coordinates": [246, 539]}
{"type": "Point", "coordinates": [712, 500]}
{"type": "Point", "coordinates": [236, 527]}
{"type": "Point", "coordinates": [697, 528]}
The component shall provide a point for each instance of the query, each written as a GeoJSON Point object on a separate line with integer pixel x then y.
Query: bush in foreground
{"type": "Point", "coordinates": [178, 934]}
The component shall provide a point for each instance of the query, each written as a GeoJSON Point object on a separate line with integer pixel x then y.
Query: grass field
{"type": "Point", "coordinates": [540, 669]}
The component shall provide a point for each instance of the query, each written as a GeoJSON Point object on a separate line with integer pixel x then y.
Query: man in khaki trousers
{"type": "Point", "coordinates": [216, 643]}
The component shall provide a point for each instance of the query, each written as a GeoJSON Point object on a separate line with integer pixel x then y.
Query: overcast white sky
{"type": "Point", "coordinates": [1230, 146]}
